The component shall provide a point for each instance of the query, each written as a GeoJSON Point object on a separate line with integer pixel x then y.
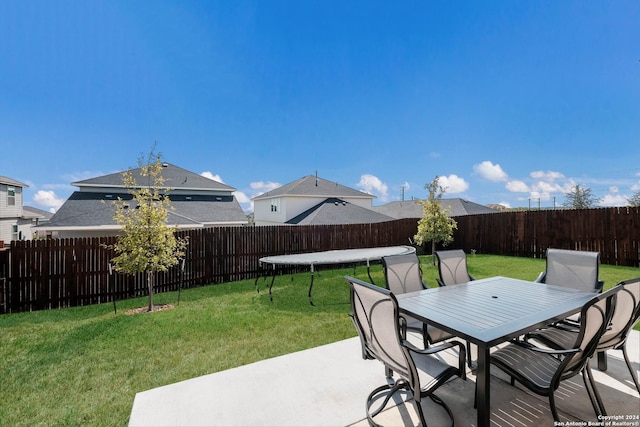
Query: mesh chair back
{"type": "Point", "coordinates": [592, 325]}
{"type": "Point", "coordinates": [375, 314]}
{"type": "Point", "coordinates": [626, 312]}
{"type": "Point", "coordinates": [402, 273]}
{"type": "Point", "coordinates": [574, 269]}
{"type": "Point", "coordinates": [452, 266]}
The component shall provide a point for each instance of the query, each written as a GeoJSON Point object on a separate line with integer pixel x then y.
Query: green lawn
{"type": "Point", "coordinates": [83, 366]}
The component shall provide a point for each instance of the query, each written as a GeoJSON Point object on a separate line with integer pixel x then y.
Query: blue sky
{"type": "Point", "coordinates": [509, 102]}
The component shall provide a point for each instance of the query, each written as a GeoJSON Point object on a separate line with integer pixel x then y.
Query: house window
{"type": "Point", "coordinates": [275, 205]}
{"type": "Point", "coordinates": [14, 232]}
{"type": "Point", "coordinates": [11, 196]}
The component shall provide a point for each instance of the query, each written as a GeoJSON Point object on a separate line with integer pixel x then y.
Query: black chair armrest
{"type": "Point", "coordinates": [532, 347]}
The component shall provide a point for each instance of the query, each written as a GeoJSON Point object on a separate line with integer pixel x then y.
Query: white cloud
{"type": "Point", "coordinates": [491, 172]}
{"type": "Point", "coordinates": [517, 187]}
{"type": "Point", "coordinates": [453, 184]}
{"type": "Point", "coordinates": [209, 175]}
{"type": "Point", "coordinates": [373, 185]}
{"type": "Point", "coordinates": [635, 187]}
{"type": "Point", "coordinates": [547, 176]}
{"type": "Point", "coordinates": [242, 197]}
{"type": "Point", "coordinates": [260, 187]}
{"type": "Point", "coordinates": [505, 204]}
{"type": "Point", "coordinates": [613, 189]}
{"type": "Point", "coordinates": [48, 199]}
{"type": "Point", "coordinates": [614, 200]}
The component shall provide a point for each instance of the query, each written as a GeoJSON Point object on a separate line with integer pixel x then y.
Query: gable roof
{"type": "Point", "coordinates": [337, 211]}
{"type": "Point", "coordinates": [313, 186]}
{"type": "Point", "coordinates": [91, 210]}
{"type": "Point", "coordinates": [8, 181]}
{"type": "Point", "coordinates": [31, 212]}
{"type": "Point", "coordinates": [175, 178]}
{"type": "Point", "coordinates": [413, 208]}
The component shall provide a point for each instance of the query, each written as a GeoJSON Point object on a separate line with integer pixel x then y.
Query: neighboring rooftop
{"type": "Point", "coordinates": [84, 209]}
{"type": "Point", "coordinates": [176, 178]}
{"type": "Point", "coordinates": [8, 181]}
{"type": "Point", "coordinates": [413, 208]}
{"type": "Point", "coordinates": [313, 186]}
{"type": "Point", "coordinates": [31, 212]}
{"type": "Point", "coordinates": [337, 211]}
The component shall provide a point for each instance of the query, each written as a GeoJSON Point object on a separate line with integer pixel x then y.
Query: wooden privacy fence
{"type": "Point", "coordinates": [44, 274]}
{"type": "Point", "coordinates": [614, 232]}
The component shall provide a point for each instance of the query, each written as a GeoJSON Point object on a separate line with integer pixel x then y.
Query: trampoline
{"type": "Point", "coordinates": [337, 257]}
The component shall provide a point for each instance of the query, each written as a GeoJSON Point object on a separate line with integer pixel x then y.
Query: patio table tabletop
{"type": "Point", "coordinates": [490, 311]}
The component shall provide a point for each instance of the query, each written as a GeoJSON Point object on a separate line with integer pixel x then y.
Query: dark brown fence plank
{"type": "Point", "coordinates": [55, 273]}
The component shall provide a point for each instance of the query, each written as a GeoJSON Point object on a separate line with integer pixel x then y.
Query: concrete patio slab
{"type": "Point", "coordinates": [328, 386]}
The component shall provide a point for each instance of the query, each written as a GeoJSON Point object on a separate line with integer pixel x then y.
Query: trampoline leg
{"type": "Point", "coordinates": [273, 278]}
{"type": "Point", "coordinates": [311, 286]}
{"type": "Point", "coordinates": [369, 273]}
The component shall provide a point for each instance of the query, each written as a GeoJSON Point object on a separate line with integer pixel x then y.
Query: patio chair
{"type": "Point", "coordinates": [402, 274]}
{"type": "Point", "coordinates": [541, 370]}
{"type": "Point", "coordinates": [376, 318]}
{"type": "Point", "coordinates": [573, 269]}
{"type": "Point", "coordinates": [623, 315]}
{"type": "Point", "coordinates": [453, 270]}
{"type": "Point", "coordinates": [452, 267]}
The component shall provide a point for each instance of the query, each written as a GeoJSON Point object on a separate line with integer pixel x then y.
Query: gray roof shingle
{"type": "Point", "coordinates": [413, 208]}
{"type": "Point", "coordinates": [313, 186]}
{"type": "Point", "coordinates": [337, 211]}
{"type": "Point", "coordinates": [175, 178]}
{"type": "Point", "coordinates": [8, 181]}
{"type": "Point", "coordinates": [89, 209]}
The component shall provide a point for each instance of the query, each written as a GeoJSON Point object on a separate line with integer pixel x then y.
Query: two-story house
{"type": "Point", "coordinates": [196, 202]}
{"type": "Point", "coordinates": [15, 224]}
{"type": "Point", "coordinates": [315, 201]}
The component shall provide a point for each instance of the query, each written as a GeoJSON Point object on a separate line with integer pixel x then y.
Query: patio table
{"type": "Point", "coordinates": [491, 311]}
{"type": "Point", "coordinates": [336, 257]}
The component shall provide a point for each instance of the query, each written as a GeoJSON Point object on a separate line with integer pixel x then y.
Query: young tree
{"type": "Point", "coordinates": [147, 244]}
{"type": "Point", "coordinates": [580, 198]}
{"type": "Point", "coordinates": [435, 225]}
{"type": "Point", "coordinates": [635, 200]}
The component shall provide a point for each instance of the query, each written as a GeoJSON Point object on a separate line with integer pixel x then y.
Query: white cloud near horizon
{"type": "Point", "coordinates": [48, 199]}
{"type": "Point", "coordinates": [490, 171]}
{"type": "Point", "coordinates": [373, 185]}
{"type": "Point", "coordinates": [614, 200]}
{"type": "Point", "coordinates": [453, 184]}
{"type": "Point", "coordinates": [260, 187]}
{"type": "Point", "coordinates": [546, 176]}
{"type": "Point", "coordinates": [210, 175]}
{"type": "Point", "coordinates": [517, 186]}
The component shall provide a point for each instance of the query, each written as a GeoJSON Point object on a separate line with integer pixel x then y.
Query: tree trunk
{"type": "Point", "coordinates": [433, 252]}
{"type": "Point", "coordinates": [150, 284]}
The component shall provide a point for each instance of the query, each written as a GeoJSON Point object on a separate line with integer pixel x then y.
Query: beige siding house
{"type": "Point", "coordinates": [311, 200]}
{"type": "Point", "coordinates": [15, 222]}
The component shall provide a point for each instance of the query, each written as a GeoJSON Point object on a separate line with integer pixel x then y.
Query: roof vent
{"type": "Point", "coordinates": [335, 203]}
{"type": "Point", "coordinates": [165, 165]}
